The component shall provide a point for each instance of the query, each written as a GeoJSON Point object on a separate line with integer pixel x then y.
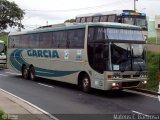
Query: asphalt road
{"type": "Point", "coordinates": [60, 98]}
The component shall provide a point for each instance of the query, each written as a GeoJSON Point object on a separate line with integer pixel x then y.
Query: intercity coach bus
{"type": "Point", "coordinates": [120, 16]}
{"type": "Point", "coordinates": [104, 56]}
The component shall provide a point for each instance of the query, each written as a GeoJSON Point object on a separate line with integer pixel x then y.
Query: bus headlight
{"type": "Point", "coordinates": [115, 86]}
{"type": "Point", "coordinates": [144, 82]}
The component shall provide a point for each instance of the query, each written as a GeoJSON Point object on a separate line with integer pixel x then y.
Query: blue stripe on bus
{"type": "Point", "coordinates": [17, 60]}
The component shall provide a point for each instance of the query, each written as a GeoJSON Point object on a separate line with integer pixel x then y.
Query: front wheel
{"type": "Point", "coordinates": [32, 73]}
{"type": "Point", "coordinates": [86, 84]}
{"type": "Point", "coordinates": [24, 72]}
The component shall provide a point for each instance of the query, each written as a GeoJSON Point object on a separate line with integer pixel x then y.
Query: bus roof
{"type": "Point", "coordinates": [100, 13]}
{"type": "Point", "coordinates": [117, 12]}
{"type": "Point", "coordinates": [77, 26]}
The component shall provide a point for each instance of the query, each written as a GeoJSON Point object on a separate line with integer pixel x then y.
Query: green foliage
{"type": "Point", "coordinates": [4, 38]}
{"type": "Point", "coordinates": [152, 40]}
{"type": "Point", "coordinates": [153, 66]}
{"type": "Point", "coordinates": [70, 21]}
{"type": "Point", "coordinates": [10, 14]}
{"type": "Point", "coordinates": [3, 116]}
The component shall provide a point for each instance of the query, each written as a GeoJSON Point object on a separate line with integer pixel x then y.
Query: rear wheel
{"type": "Point", "coordinates": [24, 72]}
{"type": "Point", "coordinates": [85, 83]}
{"type": "Point", "coordinates": [32, 73]}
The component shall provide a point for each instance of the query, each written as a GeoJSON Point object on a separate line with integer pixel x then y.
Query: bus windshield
{"type": "Point", "coordinates": [138, 21]}
{"type": "Point", "coordinates": [127, 47]}
{"type": "Point", "coordinates": [127, 56]}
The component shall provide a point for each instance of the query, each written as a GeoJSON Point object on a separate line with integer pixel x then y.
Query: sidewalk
{"type": "Point", "coordinates": [17, 109]}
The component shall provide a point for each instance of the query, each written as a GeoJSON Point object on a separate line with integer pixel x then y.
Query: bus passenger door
{"type": "Point", "coordinates": [96, 61]}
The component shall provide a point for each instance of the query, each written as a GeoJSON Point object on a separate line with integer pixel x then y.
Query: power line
{"type": "Point", "coordinates": [76, 9]}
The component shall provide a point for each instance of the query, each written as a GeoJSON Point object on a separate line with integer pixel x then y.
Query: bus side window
{"type": "Point", "coordinates": [75, 38]}
{"type": "Point", "coordinates": [90, 34]}
{"type": "Point", "coordinates": [34, 40]}
{"type": "Point", "coordinates": [60, 40]}
{"type": "Point", "coordinates": [45, 40]}
{"type": "Point", "coordinates": [24, 42]}
{"type": "Point", "coordinates": [89, 19]}
{"type": "Point", "coordinates": [78, 20]}
{"type": "Point", "coordinates": [83, 20]}
{"type": "Point", "coordinates": [111, 18]}
{"type": "Point", "coordinates": [103, 19]}
{"type": "Point", "coordinates": [16, 42]}
{"type": "Point", "coordinates": [119, 19]}
{"type": "Point", "coordinates": [96, 19]}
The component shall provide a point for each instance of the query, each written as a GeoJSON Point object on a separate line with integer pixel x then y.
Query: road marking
{"type": "Point", "coordinates": [32, 105]}
{"type": "Point", "coordinates": [140, 93]}
{"type": "Point", "coordinates": [13, 73]}
{"type": "Point", "coordinates": [3, 75]}
{"type": "Point", "coordinates": [139, 113]}
{"type": "Point", "coordinates": [45, 85]}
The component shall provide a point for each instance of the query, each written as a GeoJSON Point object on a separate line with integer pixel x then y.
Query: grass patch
{"type": "Point", "coordinates": [3, 116]}
{"type": "Point", "coordinates": [153, 65]}
{"type": "Point", "coordinates": [152, 40]}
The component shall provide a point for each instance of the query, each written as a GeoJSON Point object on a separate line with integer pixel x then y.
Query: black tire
{"type": "Point", "coordinates": [31, 74]}
{"type": "Point", "coordinates": [24, 72]}
{"type": "Point", "coordinates": [85, 83]}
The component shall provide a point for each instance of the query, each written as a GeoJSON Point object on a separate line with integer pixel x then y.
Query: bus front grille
{"type": "Point", "coordinates": [130, 84]}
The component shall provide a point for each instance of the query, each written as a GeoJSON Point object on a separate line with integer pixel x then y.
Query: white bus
{"type": "Point", "coordinates": [104, 56]}
{"type": "Point", "coordinates": [120, 16]}
{"type": "Point", "coordinates": [2, 53]}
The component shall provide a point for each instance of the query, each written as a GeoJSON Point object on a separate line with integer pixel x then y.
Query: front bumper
{"type": "Point", "coordinates": [124, 83]}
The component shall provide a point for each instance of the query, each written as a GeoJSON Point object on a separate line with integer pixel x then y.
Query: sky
{"type": "Point", "coordinates": [43, 12]}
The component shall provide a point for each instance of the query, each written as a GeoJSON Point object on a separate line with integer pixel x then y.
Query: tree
{"type": "Point", "coordinates": [10, 15]}
{"type": "Point", "coordinates": [70, 21]}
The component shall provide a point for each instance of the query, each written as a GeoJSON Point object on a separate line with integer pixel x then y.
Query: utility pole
{"type": "Point", "coordinates": [135, 5]}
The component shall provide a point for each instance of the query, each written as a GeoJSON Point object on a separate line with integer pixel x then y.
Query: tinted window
{"type": "Point", "coordinates": [14, 41]}
{"type": "Point", "coordinates": [34, 40]}
{"type": "Point", "coordinates": [103, 19]}
{"type": "Point", "coordinates": [89, 19]}
{"type": "Point", "coordinates": [95, 33]}
{"type": "Point", "coordinates": [75, 38]}
{"type": "Point", "coordinates": [45, 40]}
{"type": "Point", "coordinates": [24, 42]}
{"type": "Point", "coordinates": [83, 20]}
{"type": "Point", "coordinates": [78, 20]}
{"type": "Point", "coordinates": [59, 39]}
{"type": "Point", "coordinates": [91, 34]}
{"type": "Point", "coordinates": [95, 19]}
{"type": "Point", "coordinates": [111, 18]}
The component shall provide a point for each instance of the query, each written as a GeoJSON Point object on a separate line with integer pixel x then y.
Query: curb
{"type": "Point", "coordinates": [145, 91]}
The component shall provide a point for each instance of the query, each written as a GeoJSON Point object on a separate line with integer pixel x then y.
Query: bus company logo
{"type": "Point", "coordinates": [43, 53]}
